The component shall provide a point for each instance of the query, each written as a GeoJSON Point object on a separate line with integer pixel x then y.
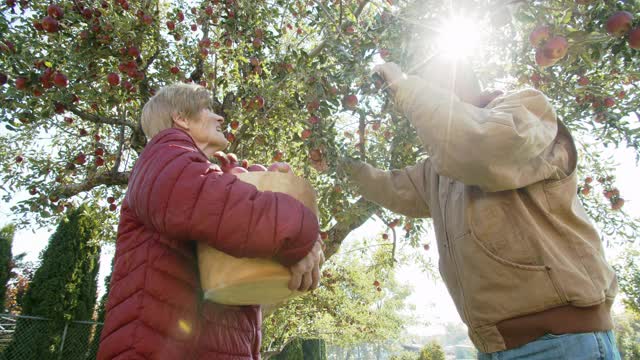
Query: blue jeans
{"type": "Point", "coordinates": [584, 346]}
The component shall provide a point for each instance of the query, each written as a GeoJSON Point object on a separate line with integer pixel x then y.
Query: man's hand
{"type": "Point", "coordinates": [305, 275]}
{"type": "Point", "coordinates": [391, 73]}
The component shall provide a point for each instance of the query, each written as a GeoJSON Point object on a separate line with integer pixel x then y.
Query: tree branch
{"type": "Point", "coordinates": [362, 210]}
{"type": "Point", "coordinates": [102, 178]}
{"type": "Point", "coordinates": [97, 119]}
{"type": "Point", "coordinates": [316, 51]}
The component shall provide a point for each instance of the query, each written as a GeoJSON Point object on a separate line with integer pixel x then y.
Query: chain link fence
{"type": "Point", "coordinates": [35, 338]}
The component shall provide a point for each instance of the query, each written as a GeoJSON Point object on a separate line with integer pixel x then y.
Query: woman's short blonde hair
{"type": "Point", "coordinates": [178, 99]}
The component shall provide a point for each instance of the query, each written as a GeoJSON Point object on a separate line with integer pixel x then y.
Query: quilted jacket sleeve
{"type": "Point", "coordinates": [176, 191]}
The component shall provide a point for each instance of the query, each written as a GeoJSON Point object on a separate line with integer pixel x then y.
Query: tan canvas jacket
{"type": "Point", "coordinates": [500, 185]}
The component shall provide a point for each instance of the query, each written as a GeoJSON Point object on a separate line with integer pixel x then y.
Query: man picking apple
{"type": "Point", "coordinates": [520, 257]}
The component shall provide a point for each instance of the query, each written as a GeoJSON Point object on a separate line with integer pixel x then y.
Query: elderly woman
{"type": "Point", "coordinates": [175, 198]}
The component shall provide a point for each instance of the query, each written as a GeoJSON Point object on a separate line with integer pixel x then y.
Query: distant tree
{"type": "Point", "coordinates": [61, 290]}
{"type": "Point", "coordinates": [432, 351]}
{"type": "Point", "coordinates": [627, 331]}
{"type": "Point", "coordinates": [6, 259]}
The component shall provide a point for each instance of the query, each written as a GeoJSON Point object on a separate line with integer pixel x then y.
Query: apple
{"type": "Point", "coordinates": [21, 83]}
{"type": "Point", "coordinates": [234, 124]}
{"type": "Point", "coordinates": [277, 155]}
{"type": "Point", "coordinates": [60, 80]}
{"type": "Point", "coordinates": [99, 161]}
{"type": "Point", "coordinates": [376, 283]}
{"type": "Point", "coordinates": [621, 94]}
{"type": "Point", "coordinates": [385, 236]}
{"type": "Point", "coordinates": [313, 105]}
{"type": "Point", "coordinates": [96, 137]}
{"type": "Point", "coordinates": [180, 16]}
{"type": "Point", "coordinates": [113, 79]}
{"type": "Point", "coordinates": [259, 33]}
{"type": "Point", "coordinates": [113, 207]}
{"type": "Point", "coordinates": [583, 81]}
{"type": "Point", "coordinates": [99, 152]}
{"type": "Point", "coordinates": [68, 120]}
{"type": "Point", "coordinates": [111, 199]}
{"type": "Point", "coordinates": [19, 159]}
{"type": "Point", "coordinates": [133, 52]}
{"type": "Point", "coordinates": [86, 13]}
{"type": "Point", "coordinates": [171, 25]}
{"type": "Point", "coordinates": [49, 24]}
{"type": "Point", "coordinates": [619, 23]}
{"type": "Point", "coordinates": [257, 43]}
{"type": "Point", "coordinates": [230, 137]}
{"type": "Point", "coordinates": [425, 247]}
{"type": "Point", "coordinates": [539, 35]}
{"type": "Point", "coordinates": [586, 190]}
{"type": "Point", "coordinates": [81, 159]}
{"type": "Point", "coordinates": [350, 101]}
{"type": "Point", "coordinates": [634, 38]}
{"type": "Point", "coordinates": [609, 102]}
{"type": "Point", "coordinates": [315, 155]}
{"type": "Point", "coordinates": [259, 102]}
{"type": "Point", "coordinates": [3, 79]}
{"type": "Point", "coordinates": [37, 24]}
{"type": "Point", "coordinates": [556, 48]}
{"type": "Point", "coordinates": [306, 133]}
{"type": "Point", "coordinates": [147, 19]}
{"type": "Point", "coordinates": [280, 167]}
{"type": "Point", "coordinates": [194, 27]}
{"type": "Point", "coordinates": [83, 132]}
{"type": "Point", "coordinates": [208, 10]}
{"type": "Point", "coordinates": [254, 61]}
{"type": "Point", "coordinates": [59, 108]}
{"type": "Point", "coordinates": [314, 120]}
{"type": "Point", "coordinates": [55, 11]}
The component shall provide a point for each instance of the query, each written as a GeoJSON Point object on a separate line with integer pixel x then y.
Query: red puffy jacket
{"type": "Point", "coordinates": [176, 197]}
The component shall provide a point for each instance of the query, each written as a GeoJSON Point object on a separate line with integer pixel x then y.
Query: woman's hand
{"type": "Point", "coordinates": [305, 275]}
{"type": "Point", "coordinates": [391, 73]}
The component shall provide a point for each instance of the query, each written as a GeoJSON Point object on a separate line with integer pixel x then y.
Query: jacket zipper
{"type": "Point", "coordinates": [452, 256]}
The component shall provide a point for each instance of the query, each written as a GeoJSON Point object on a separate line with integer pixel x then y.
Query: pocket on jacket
{"type": "Point", "coordinates": [496, 288]}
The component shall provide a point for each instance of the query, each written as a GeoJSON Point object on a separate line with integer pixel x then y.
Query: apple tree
{"type": "Point", "coordinates": [292, 78]}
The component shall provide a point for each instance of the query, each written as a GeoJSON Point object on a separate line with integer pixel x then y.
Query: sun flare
{"type": "Point", "coordinates": [459, 37]}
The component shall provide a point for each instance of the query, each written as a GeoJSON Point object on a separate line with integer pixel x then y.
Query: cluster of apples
{"type": "Point", "coordinates": [229, 164]}
{"type": "Point", "coordinates": [610, 193]}
{"type": "Point", "coordinates": [619, 24]}
{"type": "Point", "coordinates": [549, 49]}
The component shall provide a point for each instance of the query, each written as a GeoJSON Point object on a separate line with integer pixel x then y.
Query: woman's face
{"type": "Point", "coordinates": [206, 131]}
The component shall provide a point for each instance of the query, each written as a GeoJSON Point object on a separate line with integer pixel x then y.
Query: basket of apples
{"type": "Point", "coordinates": [250, 281]}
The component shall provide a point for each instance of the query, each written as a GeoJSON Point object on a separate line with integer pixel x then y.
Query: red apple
{"type": "Point", "coordinates": [147, 19]}
{"type": "Point", "coordinates": [634, 38]}
{"type": "Point", "coordinates": [111, 199]}
{"type": "Point", "coordinates": [83, 132]}
{"type": "Point", "coordinates": [376, 283]}
{"type": "Point", "coordinates": [133, 52]}
{"type": "Point", "coordinates": [99, 152]}
{"type": "Point", "coordinates": [59, 108]}
{"type": "Point", "coordinates": [425, 247]}
{"type": "Point", "coordinates": [619, 23]}
{"type": "Point", "coordinates": [234, 124]}
{"type": "Point", "coordinates": [87, 13]}
{"type": "Point", "coordinates": [19, 159]}
{"type": "Point", "coordinates": [208, 10]}
{"type": "Point", "coordinates": [174, 70]}
{"type": "Point", "coordinates": [259, 33]}
{"type": "Point", "coordinates": [277, 155]}
{"type": "Point", "coordinates": [113, 207]}
{"type": "Point", "coordinates": [55, 11]}
{"type": "Point", "coordinates": [99, 161]}
{"type": "Point", "coordinates": [81, 159]}
{"type": "Point", "coordinates": [171, 25]}
{"type": "Point", "coordinates": [194, 27]}
{"type": "Point", "coordinates": [609, 102]}
{"type": "Point", "coordinates": [3, 79]}
{"type": "Point", "coordinates": [113, 79]}
{"type": "Point", "coordinates": [230, 137]}
{"type": "Point", "coordinates": [556, 48]}
{"type": "Point", "coordinates": [180, 16]}
{"type": "Point", "coordinates": [50, 24]}
{"type": "Point", "coordinates": [60, 80]}
{"type": "Point", "coordinates": [21, 83]}
{"type": "Point", "coordinates": [621, 94]}
{"type": "Point", "coordinates": [37, 24]}
{"type": "Point", "coordinates": [257, 43]}
{"type": "Point", "coordinates": [315, 155]}
{"type": "Point", "coordinates": [539, 35]}
{"type": "Point", "coordinates": [313, 105]}
{"type": "Point", "coordinates": [306, 133]}
{"type": "Point", "coordinates": [583, 80]}
{"type": "Point", "coordinates": [254, 61]}
{"type": "Point", "coordinates": [350, 101]}
{"type": "Point", "coordinates": [259, 102]}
